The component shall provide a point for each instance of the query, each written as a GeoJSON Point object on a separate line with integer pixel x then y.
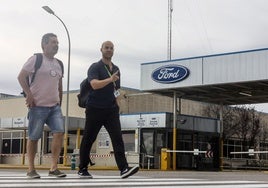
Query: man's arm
{"type": "Point", "coordinates": [60, 90]}
{"type": "Point", "coordinates": [98, 84]}
{"type": "Point", "coordinates": [23, 81]}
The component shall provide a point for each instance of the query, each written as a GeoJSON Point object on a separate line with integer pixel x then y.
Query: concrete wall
{"type": "Point", "coordinates": [14, 107]}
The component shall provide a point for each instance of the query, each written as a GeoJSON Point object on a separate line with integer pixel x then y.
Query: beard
{"type": "Point", "coordinates": [107, 56]}
{"type": "Point", "coordinates": [54, 50]}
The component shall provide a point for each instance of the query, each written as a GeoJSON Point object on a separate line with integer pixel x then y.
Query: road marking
{"type": "Point", "coordinates": [10, 180]}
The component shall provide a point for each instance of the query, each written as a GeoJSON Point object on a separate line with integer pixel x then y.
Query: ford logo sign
{"type": "Point", "coordinates": [170, 74]}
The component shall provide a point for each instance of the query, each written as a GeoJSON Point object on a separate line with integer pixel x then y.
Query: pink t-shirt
{"type": "Point", "coordinates": [46, 82]}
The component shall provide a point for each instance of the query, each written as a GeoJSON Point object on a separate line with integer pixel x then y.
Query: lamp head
{"type": "Point", "coordinates": [49, 10]}
{"type": "Point", "coordinates": [182, 121]}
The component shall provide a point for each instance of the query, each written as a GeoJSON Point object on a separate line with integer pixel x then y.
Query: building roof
{"type": "Point", "coordinates": [228, 79]}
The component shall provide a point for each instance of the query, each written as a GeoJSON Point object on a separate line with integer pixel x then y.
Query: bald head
{"type": "Point", "coordinates": [107, 50]}
{"type": "Point", "coordinates": [107, 43]}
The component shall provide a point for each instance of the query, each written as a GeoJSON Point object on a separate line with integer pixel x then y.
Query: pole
{"type": "Point", "coordinates": [174, 129]}
{"type": "Point", "coordinates": [221, 138]}
{"type": "Point", "coordinates": [170, 10]}
{"type": "Point", "coordinates": [78, 138]}
{"type": "Point", "coordinates": [23, 147]}
{"type": "Point", "coordinates": [66, 123]}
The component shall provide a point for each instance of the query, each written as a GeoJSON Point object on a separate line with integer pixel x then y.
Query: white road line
{"type": "Point", "coordinates": [20, 180]}
{"type": "Point", "coordinates": [126, 182]}
{"type": "Point", "coordinates": [98, 180]}
{"type": "Point", "coordinates": [140, 184]}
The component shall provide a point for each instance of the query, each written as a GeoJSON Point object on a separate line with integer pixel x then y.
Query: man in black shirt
{"type": "Point", "coordinates": [102, 110]}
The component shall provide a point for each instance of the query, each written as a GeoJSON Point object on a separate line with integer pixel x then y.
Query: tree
{"type": "Point", "coordinates": [241, 122]}
{"type": "Point", "coordinates": [229, 118]}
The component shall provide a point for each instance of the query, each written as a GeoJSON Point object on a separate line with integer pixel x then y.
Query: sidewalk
{"type": "Point", "coordinates": [46, 167]}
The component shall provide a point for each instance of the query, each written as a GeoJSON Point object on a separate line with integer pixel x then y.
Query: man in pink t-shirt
{"type": "Point", "coordinates": [43, 98]}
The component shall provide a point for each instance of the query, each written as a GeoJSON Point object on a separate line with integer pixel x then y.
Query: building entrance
{"type": "Point", "coordinates": [205, 143]}
{"type": "Point", "coordinates": [152, 141]}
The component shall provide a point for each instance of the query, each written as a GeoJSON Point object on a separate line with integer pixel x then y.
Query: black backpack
{"type": "Point", "coordinates": [84, 93]}
{"type": "Point", "coordinates": [37, 65]}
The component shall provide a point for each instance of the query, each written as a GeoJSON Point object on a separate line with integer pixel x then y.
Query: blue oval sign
{"type": "Point", "coordinates": [170, 74]}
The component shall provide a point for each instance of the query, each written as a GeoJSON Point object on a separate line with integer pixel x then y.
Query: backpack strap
{"type": "Point", "coordinates": [61, 65]}
{"type": "Point", "coordinates": [37, 65]}
{"type": "Point", "coordinates": [38, 62]}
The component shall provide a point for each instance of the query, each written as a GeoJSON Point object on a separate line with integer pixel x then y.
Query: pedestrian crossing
{"type": "Point", "coordinates": [72, 180]}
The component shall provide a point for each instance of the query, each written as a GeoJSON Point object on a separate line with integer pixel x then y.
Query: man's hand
{"type": "Point", "coordinates": [115, 76]}
{"type": "Point", "coordinates": [30, 100]}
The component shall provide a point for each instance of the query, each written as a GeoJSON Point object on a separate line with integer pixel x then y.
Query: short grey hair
{"type": "Point", "coordinates": [46, 37]}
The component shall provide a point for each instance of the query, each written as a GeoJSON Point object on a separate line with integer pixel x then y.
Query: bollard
{"type": "Point", "coordinates": [165, 159]}
{"type": "Point", "coordinates": [73, 162]}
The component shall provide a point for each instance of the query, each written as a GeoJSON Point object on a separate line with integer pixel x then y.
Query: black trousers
{"type": "Point", "coordinates": [109, 118]}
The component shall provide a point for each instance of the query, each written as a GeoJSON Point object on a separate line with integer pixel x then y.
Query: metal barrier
{"type": "Point", "coordinates": [165, 156]}
{"type": "Point", "coordinates": [195, 151]}
{"type": "Point", "coordinates": [149, 158]}
{"type": "Point", "coordinates": [249, 152]}
{"type": "Point", "coordinates": [250, 163]}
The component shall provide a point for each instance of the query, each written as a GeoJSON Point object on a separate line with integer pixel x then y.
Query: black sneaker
{"type": "Point", "coordinates": [83, 173]}
{"type": "Point", "coordinates": [129, 171]}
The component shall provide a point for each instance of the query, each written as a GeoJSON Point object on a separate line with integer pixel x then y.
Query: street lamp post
{"type": "Point", "coordinates": [50, 11]}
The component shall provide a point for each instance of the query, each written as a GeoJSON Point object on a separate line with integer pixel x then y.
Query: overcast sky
{"type": "Point", "coordinates": [138, 29]}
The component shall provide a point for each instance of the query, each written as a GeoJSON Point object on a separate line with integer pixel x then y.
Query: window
{"type": "Point", "coordinates": [129, 140]}
{"type": "Point", "coordinates": [236, 145]}
{"type": "Point", "coordinates": [6, 148]}
{"type": "Point", "coordinates": [12, 142]}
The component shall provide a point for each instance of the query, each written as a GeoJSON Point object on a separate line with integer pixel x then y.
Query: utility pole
{"type": "Point", "coordinates": [169, 50]}
{"type": "Point", "coordinates": [170, 10]}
